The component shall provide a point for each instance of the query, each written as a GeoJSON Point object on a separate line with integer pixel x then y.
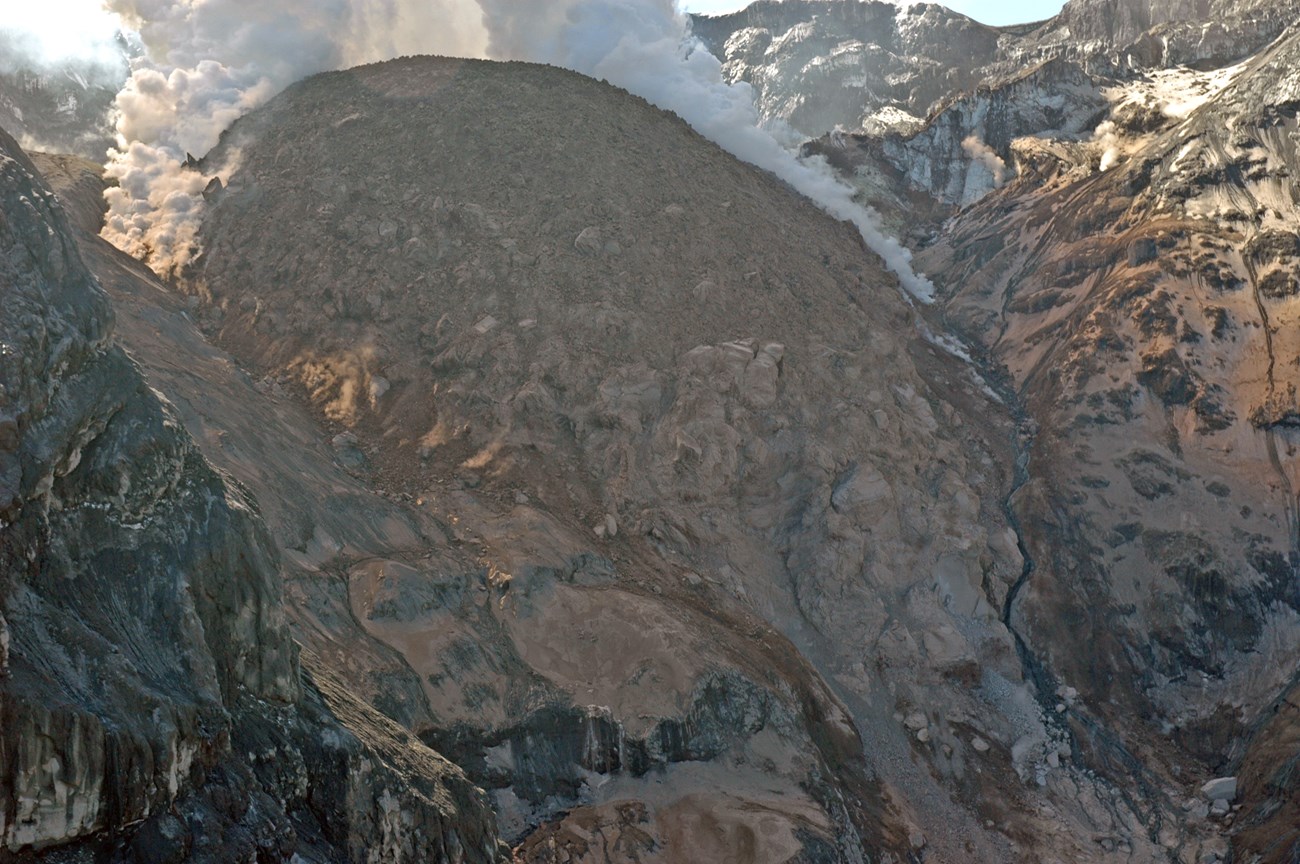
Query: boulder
{"type": "Point", "coordinates": [1220, 788]}
{"type": "Point", "coordinates": [589, 241]}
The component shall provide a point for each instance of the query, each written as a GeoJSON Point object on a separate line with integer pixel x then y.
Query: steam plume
{"type": "Point", "coordinates": [985, 155]}
{"type": "Point", "coordinates": [86, 36]}
{"type": "Point", "coordinates": [69, 57]}
{"type": "Point", "coordinates": [211, 60]}
{"type": "Point", "coordinates": [1107, 135]}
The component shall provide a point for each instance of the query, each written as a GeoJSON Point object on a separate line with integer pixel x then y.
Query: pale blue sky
{"type": "Point", "coordinates": [996, 12]}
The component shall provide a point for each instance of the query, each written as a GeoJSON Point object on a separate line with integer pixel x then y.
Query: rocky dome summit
{"type": "Point", "coordinates": [827, 432]}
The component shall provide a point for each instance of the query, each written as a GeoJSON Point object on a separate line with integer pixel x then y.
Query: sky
{"type": "Point", "coordinates": [997, 12]}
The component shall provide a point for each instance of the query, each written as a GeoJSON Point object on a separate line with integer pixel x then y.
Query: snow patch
{"type": "Point", "coordinates": [1173, 93]}
{"type": "Point", "coordinates": [889, 118]}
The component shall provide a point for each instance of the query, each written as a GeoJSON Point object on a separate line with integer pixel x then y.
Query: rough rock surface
{"type": "Point", "coordinates": [677, 512]}
{"type": "Point", "coordinates": [818, 64]}
{"type": "Point", "coordinates": [964, 150]}
{"type": "Point", "coordinates": [1131, 35]}
{"type": "Point", "coordinates": [1130, 273]}
{"type": "Point", "coordinates": [152, 705]}
{"type": "Point", "coordinates": [1138, 291]}
{"type": "Point", "coordinates": [868, 65]}
{"type": "Point", "coordinates": [423, 569]}
{"type": "Point", "coordinates": [619, 474]}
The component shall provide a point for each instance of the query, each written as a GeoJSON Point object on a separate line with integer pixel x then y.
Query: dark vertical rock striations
{"type": "Point", "coordinates": [152, 705]}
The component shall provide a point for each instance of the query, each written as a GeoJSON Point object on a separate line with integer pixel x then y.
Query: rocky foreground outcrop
{"type": "Point", "coordinates": [152, 703]}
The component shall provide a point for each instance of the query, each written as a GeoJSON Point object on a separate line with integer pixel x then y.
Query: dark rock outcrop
{"type": "Point", "coordinates": [152, 702]}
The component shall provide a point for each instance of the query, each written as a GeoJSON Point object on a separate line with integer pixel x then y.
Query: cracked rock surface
{"type": "Point", "coordinates": [607, 467]}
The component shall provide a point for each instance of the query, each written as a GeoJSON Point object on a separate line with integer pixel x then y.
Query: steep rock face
{"type": "Point", "coordinates": [867, 65]}
{"type": "Point", "coordinates": [818, 65]}
{"type": "Point", "coordinates": [65, 108]}
{"type": "Point", "coordinates": [685, 487]}
{"type": "Point", "coordinates": [964, 151]}
{"type": "Point", "coordinates": [98, 479]}
{"type": "Point", "coordinates": [150, 695]}
{"type": "Point", "coordinates": [915, 177]}
{"type": "Point", "coordinates": [1122, 35]}
{"type": "Point", "coordinates": [1142, 312]}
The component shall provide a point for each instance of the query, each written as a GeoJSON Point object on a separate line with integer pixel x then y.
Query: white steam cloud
{"type": "Point", "coordinates": [986, 156]}
{"type": "Point", "coordinates": [64, 59]}
{"type": "Point", "coordinates": [211, 60]}
{"type": "Point", "coordinates": [1107, 136]}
